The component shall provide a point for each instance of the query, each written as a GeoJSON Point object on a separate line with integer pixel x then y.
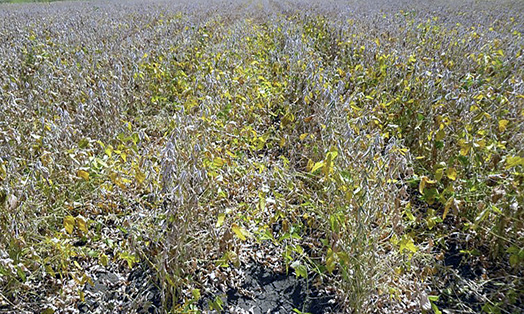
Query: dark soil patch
{"type": "Point", "coordinates": [112, 294]}
{"type": "Point", "coordinates": [264, 291]}
{"type": "Point", "coordinates": [464, 284]}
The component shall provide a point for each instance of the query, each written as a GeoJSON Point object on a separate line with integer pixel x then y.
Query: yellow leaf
{"type": "Point", "coordinates": [3, 172]}
{"type": "Point", "coordinates": [81, 223]}
{"type": "Point", "coordinates": [140, 176]}
{"type": "Point", "coordinates": [310, 165]}
{"type": "Point", "coordinates": [77, 265]}
{"type": "Point", "coordinates": [308, 119]}
{"type": "Point", "coordinates": [109, 151]}
{"type": "Point", "coordinates": [231, 154]}
{"type": "Point", "coordinates": [328, 164]}
{"type": "Point", "coordinates": [422, 184]}
{"type": "Point", "coordinates": [407, 244]}
{"type": "Point", "coordinates": [196, 294]}
{"type": "Point", "coordinates": [447, 207]}
{"type": "Point", "coordinates": [69, 224]}
{"type": "Point", "coordinates": [218, 162]}
{"type": "Point", "coordinates": [451, 173]}
{"type": "Point", "coordinates": [49, 311]}
{"type": "Point", "coordinates": [237, 230]}
{"type": "Point", "coordinates": [303, 136]}
{"type": "Point", "coordinates": [481, 143]}
{"type": "Point", "coordinates": [440, 135]}
{"type": "Point", "coordinates": [317, 166]}
{"type": "Point", "coordinates": [512, 161]}
{"type": "Point", "coordinates": [282, 142]}
{"type": "Point", "coordinates": [503, 124]}
{"type": "Point", "coordinates": [240, 232]}
{"type": "Point", "coordinates": [104, 260]}
{"type": "Point", "coordinates": [220, 220]}
{"type": "Point", "coordinates": [331, 263]}
{"type": "Point", "coordinates": [332, 155]}
{"type": "Point", "coordinates": [115, 178]}
{"type": "Point", "coordinates": [261, 201]}
{"type": "Point", "coordinates": [83, 174]}
{"type": "Point", "coordinates": [438, 174]}
{"type": "Point", "coordinates": [287, 119]}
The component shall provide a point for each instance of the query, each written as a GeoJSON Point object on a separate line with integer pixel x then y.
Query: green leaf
{"type": "Point", "coordinates": [196, 294]}
{"type": "Point", "coordinates": [83, 143]}
{"type": "Point", "coordinates": [135, 138]}
{"type": "Point", "coordinates": [287, 119]}
{"type": "Point", "coordinates": [435, 308]}
{"type": "Point", "coordinates": [328, 163]}
{"type": "Point", "coordinates": [109, 151]}
{"type": "Point", "coordinates": [300, 269]}
{"type": "Point", "coordinates": [130, 258]}
{"type": "Point", "coordinates": [513, 250]}
{"type": "Point", "coordinates": [21, 273]}
{"type": "Point", "coordinates": [409, 214]}
{"type": "Point", "coordinates": [433, 298]}
{"type": "Point", "coordinates": [217, 304]}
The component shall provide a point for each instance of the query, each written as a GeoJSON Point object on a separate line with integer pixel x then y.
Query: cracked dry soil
{"type": "Point", "coordinates": [262, 291]}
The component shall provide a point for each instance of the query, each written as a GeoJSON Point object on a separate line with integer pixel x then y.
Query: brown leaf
{"type": "Point", "coordinates": [497, 195]}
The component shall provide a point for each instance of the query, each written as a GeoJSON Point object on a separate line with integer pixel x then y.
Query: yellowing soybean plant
{"type": "Point", "coordinates": [294, 156]}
